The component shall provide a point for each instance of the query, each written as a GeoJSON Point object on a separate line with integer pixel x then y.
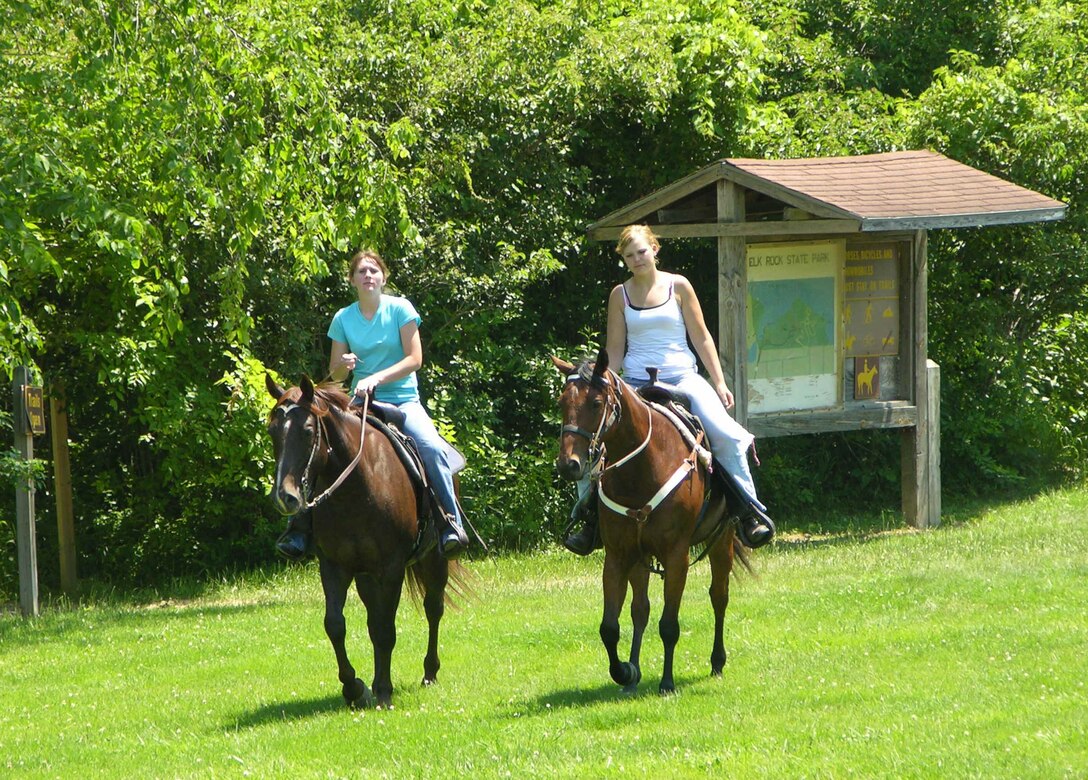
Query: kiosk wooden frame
{"type": "Point", "coordinates": [880, 205]}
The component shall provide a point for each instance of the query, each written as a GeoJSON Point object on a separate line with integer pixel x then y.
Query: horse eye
{"type": "Point", "coordinates": [598, 403]}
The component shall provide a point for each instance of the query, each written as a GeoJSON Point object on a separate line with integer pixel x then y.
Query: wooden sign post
{"type": "Point", "coordinates": [29, 419]}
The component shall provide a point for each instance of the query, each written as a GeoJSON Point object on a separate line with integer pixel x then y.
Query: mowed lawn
{"type": "Point", "coordinates": [958, 652]}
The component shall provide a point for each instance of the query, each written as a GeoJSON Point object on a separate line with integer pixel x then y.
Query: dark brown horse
{"type": "Point", "coordinates": [367, 530]}
{"type": "Point", "coordinates": [656, 487]}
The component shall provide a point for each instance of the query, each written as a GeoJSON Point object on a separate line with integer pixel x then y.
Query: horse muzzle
{"type": "Point", "coordinates": [287, 501]}
{"type": "Point", "coordinates": [571, 468]}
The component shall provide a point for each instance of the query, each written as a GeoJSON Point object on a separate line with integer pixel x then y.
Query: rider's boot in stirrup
{"type": "Point", "coordinates": [754, 527]}
{"type": "Point", "coordinates": [588, 537]}
{"type": "Point", "coordinates": [452, 539]}
{"type": "Point", "coordinates": [294, 544]}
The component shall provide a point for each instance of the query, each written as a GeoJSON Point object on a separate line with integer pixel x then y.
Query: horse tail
{"type": "Point", "coordinates": [740, 553]}
{"type": "Point", "coordinates": [458, 588]}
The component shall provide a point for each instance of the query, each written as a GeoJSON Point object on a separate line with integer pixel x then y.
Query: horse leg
{"type": "Point", "coordinates": [614, 581]}
{"type": "Point", "coordinates": [335, 582]}
{"type": "Point", "coordinates": [676, 576]}
{"type": "Point", "coordinates": [640, 616]}
{"type": "Point", "coordinates": [434, 606]}
{"type": "Point", "coordinates": [382, 597]}
{"type": "Point", "coordinates": [721, 564]}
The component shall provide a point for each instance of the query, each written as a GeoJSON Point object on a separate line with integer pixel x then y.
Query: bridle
{"type": "Point", "coordinates": [321, 434]}
{"type": "Point", "coordinates": [612, 414]}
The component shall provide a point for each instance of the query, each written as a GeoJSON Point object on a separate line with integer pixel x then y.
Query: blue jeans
{"type": "Point", "coordinates": [432, 449]}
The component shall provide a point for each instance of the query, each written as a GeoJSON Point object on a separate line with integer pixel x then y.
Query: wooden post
{"type": "Point", "coordinates": [62, 480]}
{"type": "Point", "coordinates": [934, 444]}
{"type": "Point", "coordinates": [25, 541]}
{"type": "Point", "coordinates": [733, 298]}
{"type": "Point", "coordinates": [916, 442]}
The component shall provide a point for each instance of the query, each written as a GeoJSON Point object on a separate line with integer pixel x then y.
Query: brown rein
{"type": "Point", "coordinates": [351, 466]}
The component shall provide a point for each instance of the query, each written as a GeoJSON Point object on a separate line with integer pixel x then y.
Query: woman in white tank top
{"type": "Point", "coordinates": [651, 317]}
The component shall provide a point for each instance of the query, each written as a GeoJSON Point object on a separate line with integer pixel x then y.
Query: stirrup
{"type": "Point", "coordinates": [583, 542]}
{"type": "Point", "coordinates": [755, 528]}
{"type": "Point", "coordinates": [293, 545]}
{"type": "Point", "coordinates": [452, 539]}
{"type": "Point", "coordinates": [587, 538]}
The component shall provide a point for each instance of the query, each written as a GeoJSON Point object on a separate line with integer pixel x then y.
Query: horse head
{"type": "Point", "coordinates": [296, 430]}
{"type": "Point", "coordinates": [589, 406]}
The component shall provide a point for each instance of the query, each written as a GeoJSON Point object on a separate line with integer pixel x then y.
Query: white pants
{"type": "Point", "coordinates": [728, 439]}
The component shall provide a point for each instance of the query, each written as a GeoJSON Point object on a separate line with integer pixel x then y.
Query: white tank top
{"type": "Point", "coordinates": [656, 337]}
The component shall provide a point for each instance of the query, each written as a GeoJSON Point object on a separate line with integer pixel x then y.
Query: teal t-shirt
{"type": "Point", "coordinates": [376, 344]}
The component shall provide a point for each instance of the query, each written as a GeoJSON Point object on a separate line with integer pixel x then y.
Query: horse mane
{"type": "Point", "coordinates": [326, 395]}
{"type": "Point", "coordinates": [586, 373]}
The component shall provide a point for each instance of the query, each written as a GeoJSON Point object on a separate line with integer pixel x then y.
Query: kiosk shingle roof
{"type": "Point", "coordinates": [899, 184]}
{"type": "Point", "coordinates": [888, 191]}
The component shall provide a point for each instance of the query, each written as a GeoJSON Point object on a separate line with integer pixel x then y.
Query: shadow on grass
{"type": "Point", "coordinates": [830, 529]}
{"type": "Point", "coordinates": [574, 698]}
{"type": "Point", "coordinates": [609, 693]}
{"type": "Point", "coordinates": [85, 628]}
{"type": "Point", "coordinates": [296, 709]}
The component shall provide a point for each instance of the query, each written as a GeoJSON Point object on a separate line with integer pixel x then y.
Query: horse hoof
{"type": "Point", "coordinates": [357, 695]}
{"type": "Point", "coordinates": [628, 675]}
{"type": "Point", "coordinates": [666, 690]}
{"type": "Point", "coordinates": [429, 681]}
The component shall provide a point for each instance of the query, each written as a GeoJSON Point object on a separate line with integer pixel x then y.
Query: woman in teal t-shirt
{"type": "Point", "coordinates": [376, 340]}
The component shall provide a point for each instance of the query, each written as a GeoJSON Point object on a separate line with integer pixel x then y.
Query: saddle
{"type": "Point", "coordinates": [665, 394]}
{"type": "Point", "coordinates": [389, 419]}
{"type": "Point", "coordinates": [391, 415]}
{"type": "Point", "coordinates": [674, 400]}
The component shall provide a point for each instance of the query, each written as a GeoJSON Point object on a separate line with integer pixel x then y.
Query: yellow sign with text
{"type": "Point", "coordinates": [34, 403]}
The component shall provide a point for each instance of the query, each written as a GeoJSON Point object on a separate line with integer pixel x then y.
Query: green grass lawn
{"type": "Point", "coordinates": [959, 652]}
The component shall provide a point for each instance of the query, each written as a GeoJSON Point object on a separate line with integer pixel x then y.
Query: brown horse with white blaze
{"type": "Point", "coordinates": [652, 493]}
{"type": "Point", "coordinates": [366, 526]}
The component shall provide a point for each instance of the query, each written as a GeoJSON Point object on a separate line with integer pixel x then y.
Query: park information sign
{"type": "Point", "coordinates": [870, 313]}
{"type": "Point", "coordinates": [871, 307]}
{"type": "Point", "coordinates": [794, 324]}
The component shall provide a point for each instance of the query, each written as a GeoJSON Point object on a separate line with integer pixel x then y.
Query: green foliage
{"type": "Point", "coordinates": [1006, 301]}
{"type": "Point", "coordinates": [181, 185]}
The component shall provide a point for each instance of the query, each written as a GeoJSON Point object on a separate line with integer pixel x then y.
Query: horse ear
{"type": "Point", "coordinates": [602, 362]}
{"type": "Point", "coordinates": [562, 366]}
{"type": "Point", "coordinates": [274, 390]}
{"type": "Point", "coordinates": [307, 387]}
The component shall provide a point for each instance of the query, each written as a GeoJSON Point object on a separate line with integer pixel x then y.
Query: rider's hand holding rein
{"type": "Point", "coordinates": [366, 386]}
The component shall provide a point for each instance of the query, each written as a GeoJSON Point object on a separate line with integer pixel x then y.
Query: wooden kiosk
{"type": "Point", "coordinates": [822, 288]}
